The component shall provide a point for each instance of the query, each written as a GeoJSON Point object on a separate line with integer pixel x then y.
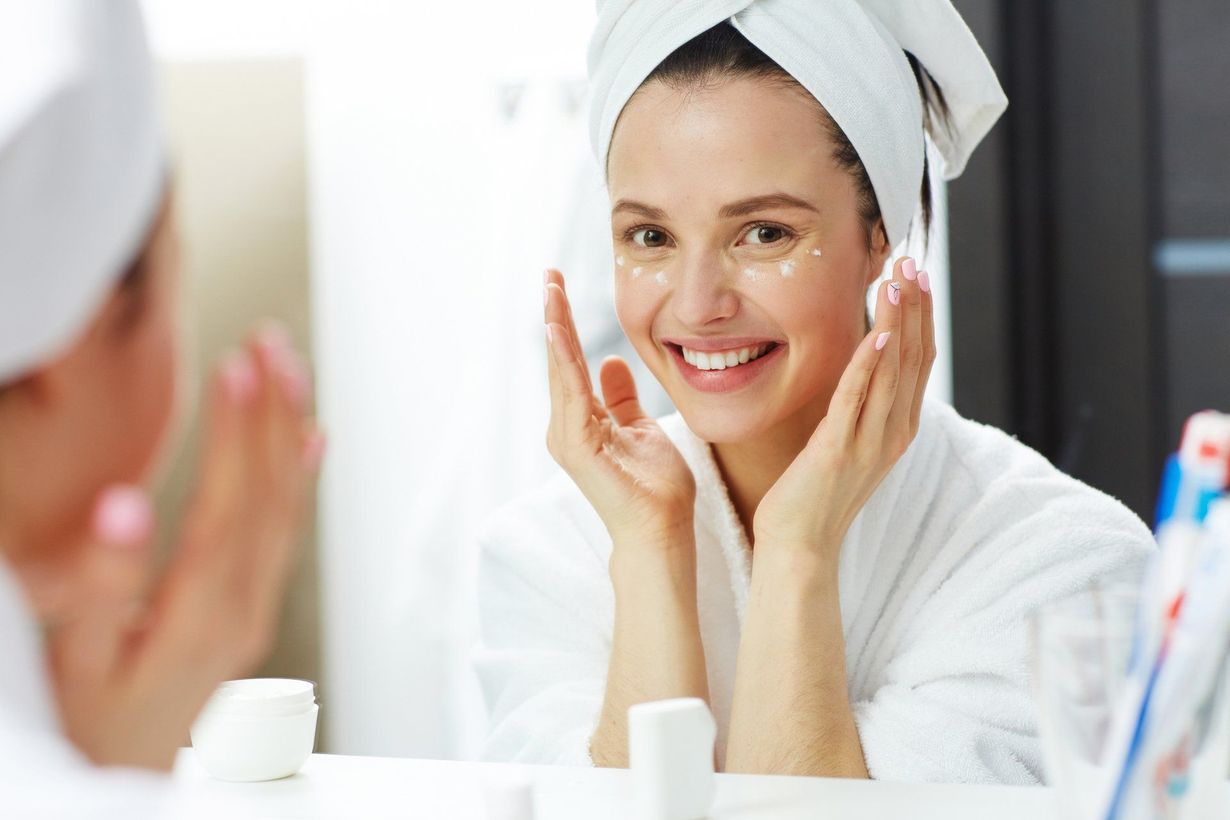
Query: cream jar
{"type": "Point", "coordinates": [257, 729]}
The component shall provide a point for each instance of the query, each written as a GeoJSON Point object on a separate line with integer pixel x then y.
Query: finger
{"type": "Point", "coordinates": [927, 333]}
{"type": "Point", "coordinates": [619, 391]}
{"type": "Point", "coordinates": [911, 350]}
{"type": "Point", "coordinates": [884, 380]}
{"type": "Point", "coordinates": [230, 395]}
{"type": "Point", "coordinates": [276, 523]}
{"type": "Point", "coordinates": [851, 392]}
{"type": "Point", "coordinates": [559, 311]}
{"type": "Point", "coordinates": [576, 399]}
{"type": "Point", "coordinates": [115, 565]}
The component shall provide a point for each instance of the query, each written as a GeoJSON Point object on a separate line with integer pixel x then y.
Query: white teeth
{"type": "Point", "coordinates": [720, 360]}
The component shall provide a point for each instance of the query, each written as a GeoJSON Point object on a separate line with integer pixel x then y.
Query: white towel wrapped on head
{"type": "Point", "coordinates": [849, 54]}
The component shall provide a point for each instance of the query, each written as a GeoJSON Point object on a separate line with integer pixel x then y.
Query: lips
{"type": "Point", "coordinates": [722, 366]}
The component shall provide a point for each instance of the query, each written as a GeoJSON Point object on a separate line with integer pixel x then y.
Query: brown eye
{"type": "Point", "coordinates": [649, 237]}
{"type": "Point", "coordinates": [765, 235]}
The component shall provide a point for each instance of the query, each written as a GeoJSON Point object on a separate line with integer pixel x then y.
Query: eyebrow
{"type": "Point", "coordinates": [743, 207]}
{"type": "Point", "coordinates": [763, 203]}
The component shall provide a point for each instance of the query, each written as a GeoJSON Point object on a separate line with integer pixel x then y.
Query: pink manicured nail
{"type": "Point", "coordinates": [882, 339]}
{"type": "Point", "coordinates": [924, 282]}
{"type": "Point", "coordinates": [295, 378]}
{"type": "Point", "coordinates": [239, 377]}
{"type": "Point", "coordinates": [274, 336]}
{"type": "Point", "coordinates": [314, 450]}
{"type": "Point", "coordinates": [123, 516]}
{"type": "Point", "coordinates": [908, 270]}
{"type": "Point", "coordinates": [550, 335]}
{"type": "Point", "coordinates": [894, 293]}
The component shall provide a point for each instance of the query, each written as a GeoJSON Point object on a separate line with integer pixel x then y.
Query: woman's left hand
{"type": "Point", "coordinates": [871, 421]}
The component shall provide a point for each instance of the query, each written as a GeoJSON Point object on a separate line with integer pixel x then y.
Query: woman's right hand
{"type": "Point", "coordinates": [621, 459]}
{"type": "Point", "coordinates": [133, 662]}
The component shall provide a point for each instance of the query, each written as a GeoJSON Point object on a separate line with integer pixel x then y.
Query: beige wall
{"type": "Point", "coordinates": [237, 139]}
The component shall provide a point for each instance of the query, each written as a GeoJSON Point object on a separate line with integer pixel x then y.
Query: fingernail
{"type": "Point", "coordinates": [123, 516]}
{"type": "Point", "coordinates": [550, 335]}
{"type": "Point", "coordinates": [273, 335]}
{"type": "Point", "coordinates": [294, 378]}
{"type": "Point", "coordinates": [239, 378]}
{"type": "Point", "coordinates": [546, 296]}
{"type": "Point", "coordinates": [882, 339]}
{"type": "Point", "coordinates": [546, 277]}
{"type": "Point", "coordinates": [908, 270]}
{"type": "Point", "coordinates": [314, 450]}
{"type": "Point", "coordinates": [924, 282]}
{"type": "Point", "coordinates": [894, 293]}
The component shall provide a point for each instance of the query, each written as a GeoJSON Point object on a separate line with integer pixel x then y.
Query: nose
{"type": "Point", "coordinates": [703, 293]}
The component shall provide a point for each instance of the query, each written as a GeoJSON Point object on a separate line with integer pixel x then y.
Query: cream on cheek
{"type": "Point", "coordinates": [801, 261]}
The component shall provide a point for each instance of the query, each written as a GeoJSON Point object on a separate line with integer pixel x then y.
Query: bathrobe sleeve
{"type": "Point", "coordinates": [949, 698]}
{"type": "Point", "coordinates": [545, 618]}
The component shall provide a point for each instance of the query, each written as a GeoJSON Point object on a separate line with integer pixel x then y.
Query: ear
{"type": "Point", "coordinates": [878, 253]}
{"type": "Point", "coordinates": [43, 389]}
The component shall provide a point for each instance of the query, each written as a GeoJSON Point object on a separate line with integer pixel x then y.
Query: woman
{"type": "Point", "coordinates": [843, 569]}
{"type": "Point", "coordinates": [107, 662]}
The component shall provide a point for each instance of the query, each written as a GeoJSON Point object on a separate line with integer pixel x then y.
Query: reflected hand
{"type": "Point", "coordinates": [132, 670]}
{"type": "Point", "coordinates": [871, 421]}
{"type": "Point", "coordinates": [621, 459]}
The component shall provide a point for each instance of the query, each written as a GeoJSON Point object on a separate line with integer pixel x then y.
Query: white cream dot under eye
{"type": "Point", "coordinates": [817, 252]}
{"type": "Point", "coordinates": [751, 273]}
{"type": "Point", "coordinates": [660, 278]}
{"type": "Point", "coordinates": [787, 268]}
{"type": "Point", "coordinates": [619, 260]}
{"type": "Point", "coordinates": [637, 271]}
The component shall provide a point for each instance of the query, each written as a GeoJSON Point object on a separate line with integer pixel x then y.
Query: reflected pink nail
{"type": "Point", "coordinates": [239, 377]}
{"type": "Point", "coordinates": [894, 293]}
{"type": "Point", "coordinates": [274, 336]}
{"type": "Point", "coordinates": [314, 450]}
{"type": "Point", "coordinates": [908, 269]}
{"type": "Point", "coordinates": [295, 378]}
{"type": "Point", "coordinates": [924, 282]}
{"type": "Point", "coordinates": [123, 516]}
{"type": "Point", "coordinates": [882, 339]}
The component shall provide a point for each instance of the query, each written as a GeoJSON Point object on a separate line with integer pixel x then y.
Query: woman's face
{"type": "Point", "coordinates": [742, 262]}
{"type": "Point", "coordinates": [99, 413]}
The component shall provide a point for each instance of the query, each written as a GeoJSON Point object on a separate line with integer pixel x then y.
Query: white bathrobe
{"type": "Point", "coordinates": [967, 535]}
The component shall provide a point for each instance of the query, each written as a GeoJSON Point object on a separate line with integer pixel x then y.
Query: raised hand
{"type": "Point", "coordinates": [621, 459]}
{"type": "Point", "coordinates": [133, 663]}
{"type": "Point", "coordinates": [871, 421]}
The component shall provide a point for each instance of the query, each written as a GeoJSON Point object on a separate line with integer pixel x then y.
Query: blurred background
{"type": "Point", "coordinates": [390, 178]}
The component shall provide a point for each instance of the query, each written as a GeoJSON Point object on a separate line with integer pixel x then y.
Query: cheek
{"type": "Point", "coordinates": [636, 304]}
{"type": "Point", "coordinates": [153, 371]}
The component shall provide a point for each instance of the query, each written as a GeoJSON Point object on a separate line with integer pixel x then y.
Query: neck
{"type": "Point", "coordinates": [751, 467]}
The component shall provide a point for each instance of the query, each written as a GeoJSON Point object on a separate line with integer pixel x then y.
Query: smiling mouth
{"type": "Point", "coordinates": [724, 359]}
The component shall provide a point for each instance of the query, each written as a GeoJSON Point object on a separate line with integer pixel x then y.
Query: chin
{"type": "Point", "coordinates": [726, 425]}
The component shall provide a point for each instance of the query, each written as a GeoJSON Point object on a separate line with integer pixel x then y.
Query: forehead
{"type": "Point", "coordinates": [719, 143]}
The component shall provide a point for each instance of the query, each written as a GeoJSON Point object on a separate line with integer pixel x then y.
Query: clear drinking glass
{"type": "Point", "coordinates": [1081, 650]}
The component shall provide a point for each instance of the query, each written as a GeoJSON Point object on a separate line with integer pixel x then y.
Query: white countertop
{"type": "Point", "coordinates": [333, 786]}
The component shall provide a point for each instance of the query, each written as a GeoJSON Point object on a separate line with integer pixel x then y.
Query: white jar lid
{"type": "Point", "coordinates": [261, 697]}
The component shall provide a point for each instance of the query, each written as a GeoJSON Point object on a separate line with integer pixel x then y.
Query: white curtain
{"type": "Point", "coordinates": [445, 143]}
